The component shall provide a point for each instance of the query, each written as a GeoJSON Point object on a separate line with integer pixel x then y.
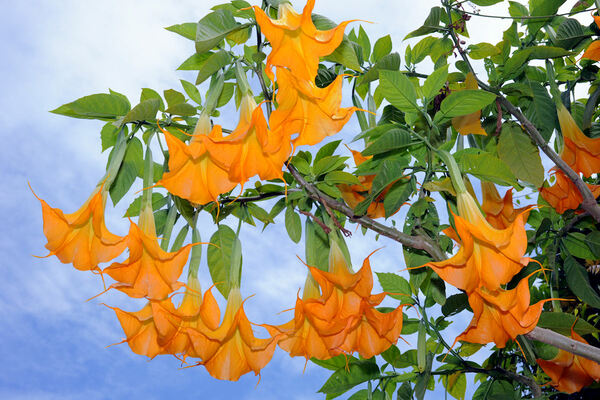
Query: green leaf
{"type": "Point", "coordinates": [132, 163]}
{"type": "Point", "coordinates": [391, 171]}
{"type": "Point", "coordinates": [542, 8]}
{"type": "Point", "coordinates": [327, 164]}
{"type": "Point", "coordinates": [593, 241]}
{"type": "Point", "coordinates": [562, 322]}
{"type": "Point", "coordinates": [213, 28]}
{"type": "Point", "coordinates": [364, 42]}
{"type": "Point", "coordinates": [520, 154]}
{"type": "Point", "coordinates": [220, 258]}
{"type": "Point", "coordinates": [579, 282]}
{"type": "Point", "coordinates": [541, 111]}
{"type": "Point", "coordinates": [194, 62]}
{"type": "Point", "coordinates": [393, 139]}
{"type": "Point", "coordinates": [455, 304]}
{"type": "Point", "coordinates": [334, 363]}
{"type": "Point", "coordinates": [183, 109]}
{"type": "Point", "coordinates": [398, 90]}
{"type": "Point", "coordinates": [102, 106]}
{"type": "Point", "coordinates": [485, 3]}
{"type": "Point", "coordinates": [431, 24]}
{"type": "Point", "coordinates": [337, 177]}
{"type": "Point", "coordinates": [456, 384]}
{"type": "Point", "coordinates": [576, 246]}
{"type": "Point", "coordinates": [152, 94]}
{"type": "Point", "coordinates": [487, 167]}
{"type": "Point", "coordinates": [397, 195]}
{"type": "Point", "coordinates": [396, 287]}
{"type": "Point", "coordinates": [327, 150]}
{"type": "Point", "coordinates": [569, 34]}
{"type": "Point", "coordinates": [482, 50]}
{"type": "Point", "coordinates": [390, 62]}
{"type": "Point", "coordinates": [145, 111]}
{"type": "Point", "coordinates": [345, 379]}
{"type": "Point", "coordinates": [382, 47]}
{"type": "Point", "coordinates": [226, 94]}
{"type": "Point", "coordinates": [345, 54]}
{"type": "Point", "coordinates": [109, 134]}
{"type": "Point", "coordinates": [434, 82]}
{"type": "Point", "coordinates": [422, 49]}
{"type": "Point", "coordinates": [213, 64]}
{"type": "Point", "coordinates": [187, 30]}
{"type": "Point", "coordinates": [465, 102]}
{"type": "Point", "coordinates": [316, 247]}
{"type": "Point", "coordinates": [520, 57]}
{"type": "Point", "coordinates": [158, 201]}
{"type": "Point", "coordinates": [259, 213]}
{"type": "Point", "coordinates": [173, 97]}
{"type": "Point", "coordinates": [293, 225]}
{"type": "Point", "coordinates": [191, 91]}
{"type": "Point", "coordinates": [516, 9]}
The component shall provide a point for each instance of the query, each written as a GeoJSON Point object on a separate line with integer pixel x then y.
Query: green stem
{"type": "Point", "coordinates": [148, 177]}
{"type": "Point", "coordinates": [171, 218]}
{"type": "Point", "coordinates": [235, 269]}
{"type": "Point", "coordinates": [242, 79]}
{"type": "Point", "coordinates": [455, 175]}
{"type": "Point", "coordinates": [196, 251]}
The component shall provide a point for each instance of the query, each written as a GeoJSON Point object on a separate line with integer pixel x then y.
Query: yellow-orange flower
{"type": "Point", "coordinates": [570, 373]}
{"type": "Point", "coordinates": [239, 351]}
{"type": "Point", "coordinates": [295, 41]}
{"type": "Point", "coordinates": [564, 195]}
{"type": "Point", "coordinates": [466, 124]}
{"type": "Point", "coordinates": [593, 50]}
{"type": "Point", "coordinates": [488, 256]}
{"type": "Point", "coordinates": [311, 112]}
{"type": "Point", "coordinates": [582, 153]}
{"type": "Point", "coordinates": [149, 271]}
{"type": "Point", "coordinates": [251, 149]}
{"type": "Point", "coordinates": [500, 315]}
{"type": "Point", "coordinates": [193, 174]}
{"type": "Point", "coordinates": [500, 212]}
{"type": "Point", "coordinates": [353, 195]}
{"type": "Point", "coordinates": [81, 238]}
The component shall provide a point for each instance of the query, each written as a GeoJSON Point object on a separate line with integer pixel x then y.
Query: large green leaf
{"type": "Point", "coordinates": [569, 34]}
{"type": "Point", "coordinates": [194, 62]}
{"type": "Point", "coordinates": [158, 201]}
{"type": "Point", "coordinates": [487, 167]}
{"type": "Point", "coordinates": [145, 111]}
{"type": "Point", "coordinates": [562, 322]}
{"type": "Point", "coordinates": [482, 50]}
{"type": "Point", "coordinates": [187, 30]}
{"type": "Point", "coordinates": [398, 90]}
{"type": "Point", "coordinates": [579, 282]}
{"type": "Point", "coordinates": [431, 24]}
{"type": "Point", "coordinates": [221, 256]}
{"type": "Point", "coordinates": [214, 63]}
{"type": "Point", "coordinates": [132, 163]}
{"type": "Point", "coordinates": [393, 139]}
{"type": "Point", "coordinates": [575, 244]}
{"type": "Point", "coordinates": [464, 102]}
{"type": "Point", "coordinates": [382, 47]}
{"type": "Point", "coordinates": [389, 62]}
{"type": "Point", "coordinates": [103, 106]}
{"type": "Point", "coordinates": [521, 155]}
{"type": "Point", "coordinates": [485, 3]}
{"type": "Point", "coordinates": [213, 28]}
{"type": "Point", "coordinates": [316, 246]}
{"type": "Point", "coordinates": [541, 110]}
{"type": "Point", "coordinates": [391, 171]}
{"type": "Point", "coordinates": [397, 195]}
{"type": "Point", "coordinates": [348, 377]}
{"type": "Point", "coordinates": [520, 57]}
{"type": "Point", "coordinates": [542, 8]}
{"type": "Point", "coordinates": [435, 82]}
{"type": "Point", "coordinates": [293, 225]}
{"type": "Point", "coordinates": [396, 287]}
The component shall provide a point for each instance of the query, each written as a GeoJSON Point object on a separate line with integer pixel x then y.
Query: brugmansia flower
{"type": "Point", "coordinates": [570, 373]}
{"type": "Point", "coordinates": [343, 319]}
{"type": "Point", "coordinates": [193, 174]}
{"type": "Point", "coordinates": [251, 149]}
{"type": "Point", "coordinates": [311, 112]}
{"type": "Point", "coordinates": [466, 124]}
{"type": "Point", "coordinates": [593, 50]}
{"type": "Point", "coordinates": [81, 238]}
{"type": "Point", "coordinates": [239, 351]}
{"type": "Point", "coordinates": [488, 256]}
{"type": "Point", "coordinates": [149, 271]}
{"type": "Point", "coordinates": [564, 195]}
{"type": "Point", "coordinates": [353, 195]}
{"type": "Point", "coordinates": [500, 212]}
{"type": "Point", "coordinates": [295, 41]}
{"type": "Point", "coordinates": [579, 151]}
{"type": "Point", "coordinates": [500, 315]}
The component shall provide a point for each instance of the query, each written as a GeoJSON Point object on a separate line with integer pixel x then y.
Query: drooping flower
{"type": "Point", "coordinates": [471, 123]}
{"type": "Point", "coordinates": [81, 238]}
{"type": "Point", "coordinates": [500, 212]}
{"type": "Point", "coordinates": [353, 195]}
{"type": "Point", "coordinates": [307, 110]}
{"type": "Point", "coordinates": [593, 50]}
{"type": "Point", "coordinates": [149, 271]}
{"type": "Point", "coordinates": [488, 256]}
{"type": "Point", "coordinates": [193, 174]}
{"type": "Point", "coordinates": [564, 195]}
{"type": "Point", "coordinates": [570, 373]}
{"type": "Point", "coordinates": [581, 152]}
{"type": "Point", "coordinates": [500, 315]}
{"type": "Point", "coordinates": [251, 149]}
{"type": "Point", "coordinates": [239, 351]}
{"type": "Point", "coordinates": [295, 41]}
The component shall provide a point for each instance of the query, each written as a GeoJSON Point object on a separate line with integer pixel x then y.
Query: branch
{"type": "Point", "coordinates": [565, 343]}
{"type": "Point", "coordinates": [589, 201]}
{"type": "Point", "coordinates": [536, 391]}
{"type": "Point", "coordinates": [416, 242]}
{"type": "Point", "coordinates": [262, 196]}
{"type": "Point", "coordinates": [524, 17]}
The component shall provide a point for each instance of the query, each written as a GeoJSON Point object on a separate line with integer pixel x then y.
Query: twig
{"type": "Point", "coordinates": [262, 196]}
{"type": "Point", "coordinates": [536, 391]}
{"type": "Point", "coordinates": [589, 201]}
{"type": "Point", "coordinates": [528, 17]}
{"type": "Point", "coordinates": [337, 224]}
{"type": "Point", "coordinates": [325, 228]}
{"type": "Point", "coordinates": [499, 118]}
{"type": "Point", "coordinates": [562, 342]}
{"type": "Point", "coordinates": [416, 242]}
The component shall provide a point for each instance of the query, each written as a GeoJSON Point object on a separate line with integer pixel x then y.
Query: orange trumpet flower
{"type": "Point", "coordinates": [500, 315]}
{"type": "Point", "coordinates": [466, 124]}
{"type": "Point", "coordinates": [193, 174]}
{"type": "Point", "coordinates": [149, 271]}
{"type": "Point", "coordinates": [239, 351]}
{"type": "Point", "coordinates": [581, 152]}
{"type": "Point", "coordinates": [488, 256]}
{"type": "Point", "coordinates": [311, 112]}
{"type": "Point", "coordinates": [570, 373]}
{"type": "Point", "coordinates": [593, 50]}
{"type": "Point", "coordinates": [81, 238]}
{"type": "Point", "coordinates": [251, 149]}
{"type": "Point", "coordinates": [564, 195]}
{"type": "Point", "coordinates": [295, 41]}
{"type": "Point", "coordinates": [500, 212]}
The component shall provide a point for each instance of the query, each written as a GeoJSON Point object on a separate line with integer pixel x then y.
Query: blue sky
{"type": "Point", "coordinates": [53, 342]}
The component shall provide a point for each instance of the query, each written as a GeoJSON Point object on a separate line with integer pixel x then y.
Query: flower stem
{"type": "Point", "coordinates": [455, 175]}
